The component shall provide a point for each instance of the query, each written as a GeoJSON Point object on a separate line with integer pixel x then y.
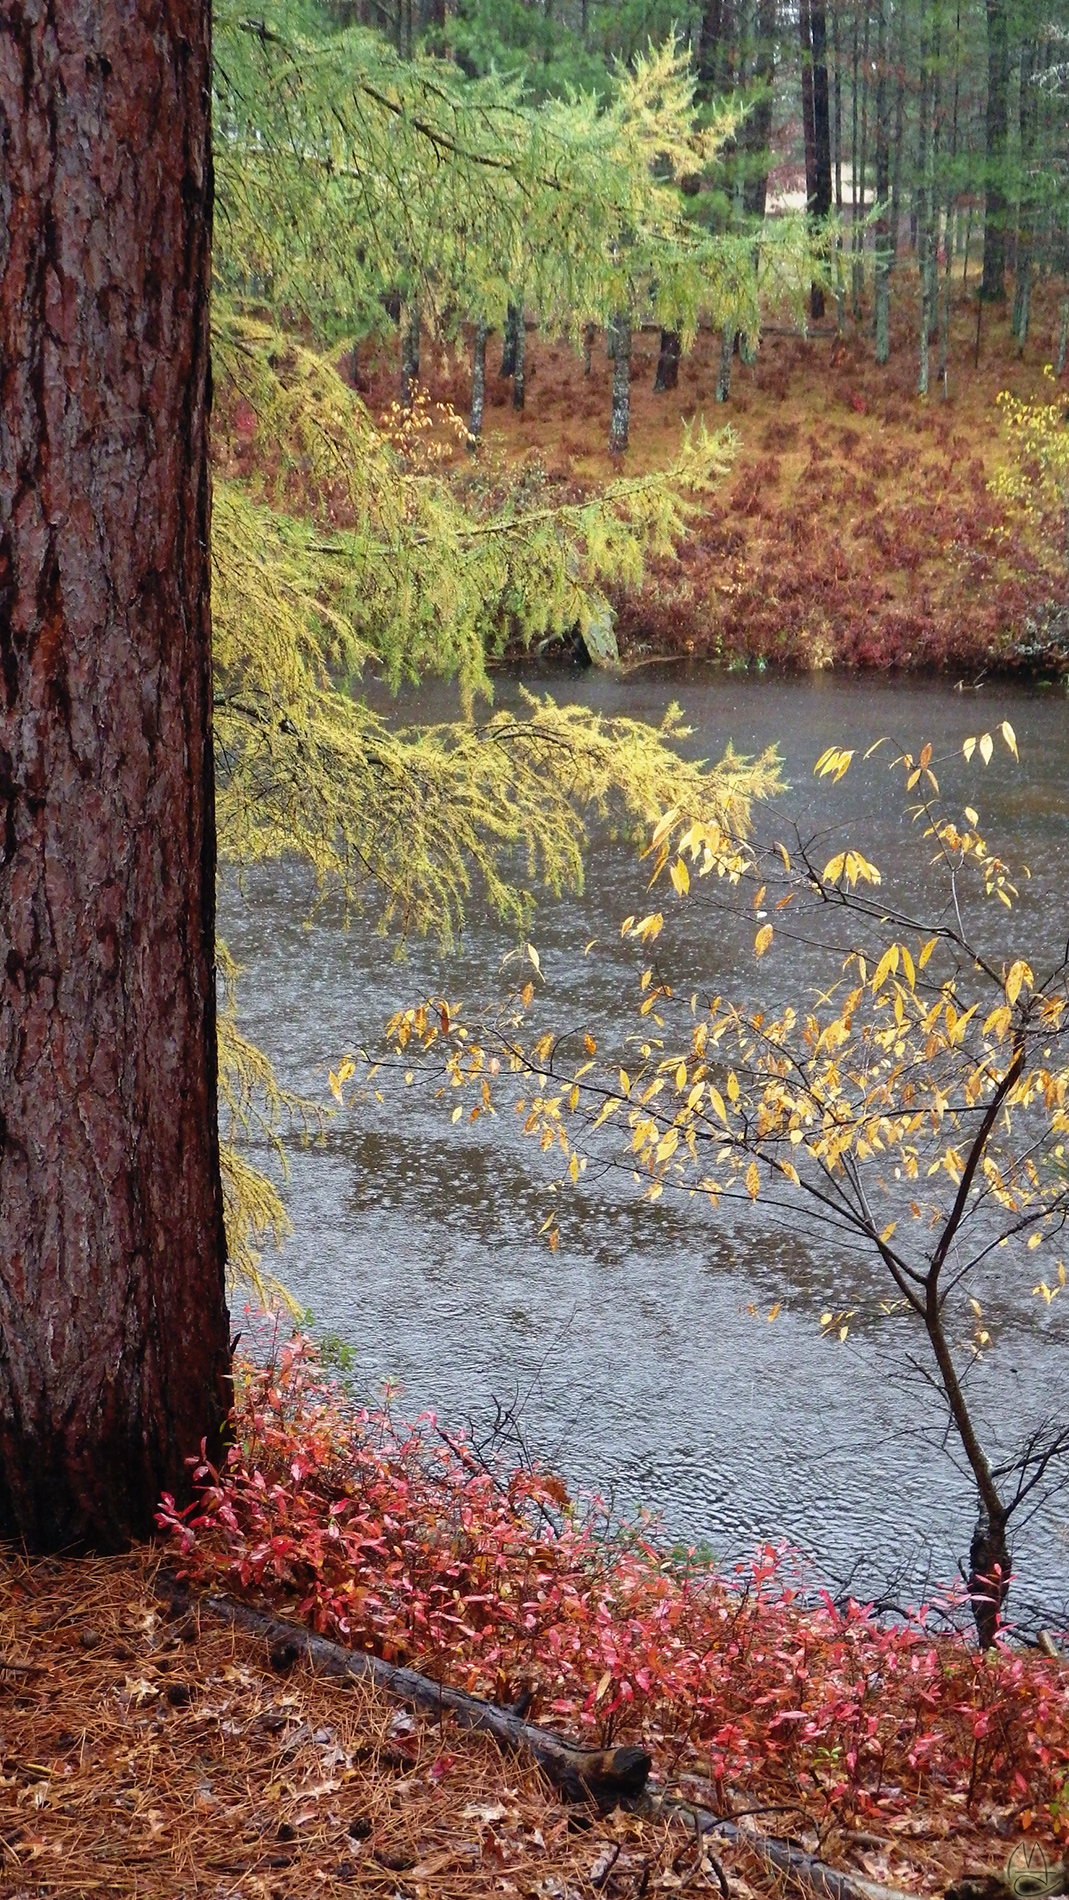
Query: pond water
{"type": "Point", "coordinates": [632, 1354]}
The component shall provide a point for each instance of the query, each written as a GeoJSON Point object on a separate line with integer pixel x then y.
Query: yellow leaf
{"type": "Point", "coordinates": [969, 747]}
{"type": "Point", "coordinates": [527, 995]}
{"type": "Point", "coordinates": [335, 1085]}
{"type": "Point", "coordinates": [457, 1113]}
{"type": "Point", "coordinates": [680, 877]}
{"type": "Point", "coordinates": [625, 1082]}
{"type": "Point", "coordinates": [833, 869]}
{"type": "Point", "coordinates": [573, 1168]}
{"type": "Point", "coordinates": [772, 1312]}
{"type": "Point", "coordinates": [1035, 1240]}
{"type": "Point", "coordinates": [888, 1231]}
{"type": "Point", "coordinates": [554, 1241]}
{"type": "Point", "coordinates": [733, 1086]}
{"type": "Point", "coordinates": [763, 939]}
{"type": "Point", "coordinates": [826, 1319]}
{"type": "Point", "coordinates": [926, 952]}
{"type": "Point", "coordinates": [986, 747]}
{"type": "Point", "coordinates": [843, 1330]}
{"type": "Point", "coordinates": [717, 1101]}
{"type": "Point", "coordinates": [604, 1686]}
{"type": "Point", "coordinates": [590, 1045]}
{"type": "Point", "coordinates": [681, 1076]}
{"type": "Point", "coordinates": [532, 956]}
{"type": "Point", "coordinates": [1010, 737]}
{"type": "Point", "coordinates": [753, 1181]}
{"type": "Point", "coordinates": [1019, 975]}
{"type": "Point", "coordinates": [907, 966]}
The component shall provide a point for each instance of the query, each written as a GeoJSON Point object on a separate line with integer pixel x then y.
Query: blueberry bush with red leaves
{"type": "Point", "coordinates": [400, 1539]}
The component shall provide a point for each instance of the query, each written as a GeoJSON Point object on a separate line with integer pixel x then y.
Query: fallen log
{"type": "Point", "coordinates": [827, 1883]}
{"type": "Point", "coordinates": [605, 1776]}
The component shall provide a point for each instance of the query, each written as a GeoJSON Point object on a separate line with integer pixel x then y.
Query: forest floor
{"type": "Point", "coordinates": [857, 526]}
{"type": "Point", "coordinates": [147, 1750]}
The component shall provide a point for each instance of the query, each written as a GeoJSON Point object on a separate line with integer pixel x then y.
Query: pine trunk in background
{"type": "Point", "coordinates": [114, 1348]}
{"type": "Point", "coordinates": [883, 262]}
{"type": "Point", "coordinates": [1025, 235]}
{"type": "Point", "coordinates": [899, 135]}
{"type": "Point", "coordinates": [667, 376]}
{"type": "Point", "coordinates": [812, 30]}
{"type": "Point", "coordinates": [925, 159]}
{"type": "Point", "coordinates": [756, 129]}
{"type": "Point", "coordinates": [993, 281]}
{"type": "Point", "coordinates": [478, 385]}
{"type": "Point", "coordinates": [509, 338]}
{"type": "Point", "coordinates": [409, 356]}
{"type": "Point", "coordinates": [519, 360]}
{"type": "Point", "coordinates": [862, 161]}
{"type": "Point", "coordinates": [727, 351]}
{"type": "Point", "coordinates": [620, 424]}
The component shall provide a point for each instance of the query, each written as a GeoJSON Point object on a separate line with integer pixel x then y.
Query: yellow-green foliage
{"type": "Point", "coordinates": [1037, 478]}
{"type": "Point", "coordinates": [344, 171]}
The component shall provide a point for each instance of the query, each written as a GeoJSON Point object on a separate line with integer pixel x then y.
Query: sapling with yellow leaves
{"type": "Point", "coordinates": [918, 1107]}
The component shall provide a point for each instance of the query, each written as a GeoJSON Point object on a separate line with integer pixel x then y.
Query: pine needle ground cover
{"type": "Point", "coordinates": [858, 1739]}
{"type": "Point", "coordinates": [857, 527]}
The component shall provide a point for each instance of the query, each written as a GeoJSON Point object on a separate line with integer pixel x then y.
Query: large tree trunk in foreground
{"type": "Point", "coordinates": [113, 1324]}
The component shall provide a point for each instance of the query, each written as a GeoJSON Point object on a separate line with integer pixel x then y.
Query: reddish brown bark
{"type": "Point", "coordinates": [113, 1325]}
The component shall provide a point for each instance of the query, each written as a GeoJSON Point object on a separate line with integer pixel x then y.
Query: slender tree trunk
{"type": "Point", "coordinates": [863, 162]}
{"type": "Point", "coordinates": [620, 424]}
{"type": "Point", "coordinates": [812, 31]}
{"type": "Point", "coordinates": [588, 345]}
{"type": "Point", "coordinates": [1063, 338]}
{"type": "Point", "coordinates": [1026, 243]}
{"type": "Point", "coordinates": [821, 206]}
{"type": "Point", "coordinates": [727, 351]}
{"type": "Point", "coordinates": [519, 366]}
{"type": "Point", "coordinates": [882, 268]}
{"type": "Point", "coordinates": [667, 376]}
{"type": "Point", "coordinates": [837, 149]}
{"type": "Point", "coordinates": [478, 385]}
{"type": "Point", "coordinates": [924, 206]}
{"type": "Point", "coordinates": [944, 334]}
{"type": "Point", "coordinates": [114, 1360]}
{"type": "Point", "coordinates": [899, 137]}
{"type": "Point", "coordinates": [410, 356]}
{"type": "Point", "coordinates": [757, 128]}
{"type": "Point", "coordinates": [509, 339]}
{"type": "Point", "coordinates": [996, 208]}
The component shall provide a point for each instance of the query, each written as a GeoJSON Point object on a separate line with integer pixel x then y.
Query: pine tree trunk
{"type": "Point", "coordinates": [509, 338]}
{"type": "Point", "coordinates": [993, 282]}
{"type": "Point", "coordinates": [1063, 339]}
{"type": "Point", "coordinates": [667, 376]}
{"type": "Point", "coordinates": [519, 361]}
{"type": "Point", "coordinates": [899, 137]}
{"type": "Point", "coordinates": [924, 207]}
{"type": "Point", "coordinates": [863, 160]}
{"type": "Point", "coordinates": [821, 202]}
{"type": "Point", "coordinates": [727, 351]}
{"type": "Point", "coordinates": [756, 128]}
{"type": "Point", "coordinates": [114, 1360]}
{"type": "Point", "coordinates": [478, 385]}
{"type": "Point", "coordinates": [410, 357]}
{"type": "Point", "coordinates": [620, 424]}
{"type": "Point", "coordinates": [882, 274]}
